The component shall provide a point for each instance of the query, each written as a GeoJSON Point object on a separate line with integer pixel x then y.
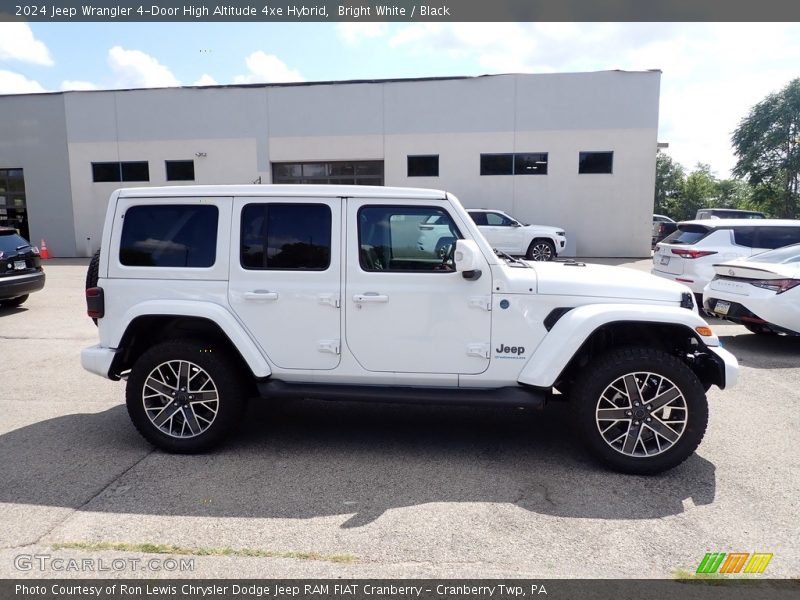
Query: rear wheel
{"type": "Point", "coordinates": [541, 250]}
{"type": "Point", "coordinates": [640, 410]}
{"type": "Point", "coordinates": [184, 396]}
{"type": "Point", "coordinates": [13, 302]}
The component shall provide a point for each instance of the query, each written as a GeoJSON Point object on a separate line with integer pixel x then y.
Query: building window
{"type": "Point", "coordinates": [532, 163]}
{"type": "Point", "coordinates": [286, 236]}
{"type": "Point", "coordinates": [521, 163]}
{"type": "Point", "coordinates": [423, 165]}
{"type": "Point", "coordinates": [497, 164]}
{"type": "Point", "coordinates": [179, 235]}
{"type": "Point", "coordinates": [120, 171]}
{"type": "Point", "coordinates": [13, 211]}
{"type": "Point", "coordinates": [347, 172]}
{"type": "Point", "coordinates": [596, 162]}
{"type": "Point", "coordinates": [180, 170]}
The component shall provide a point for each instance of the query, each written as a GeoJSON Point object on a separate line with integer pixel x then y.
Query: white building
{"type": "Point", "coordinates": [573, 150]}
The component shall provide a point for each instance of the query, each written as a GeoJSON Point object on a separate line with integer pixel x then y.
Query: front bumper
{"type": "Point", "coordinates": [98, 359]}
{"type": "Point", "coordinates": [728, 366]}
{"type": "Point", "coordinates": [19, 285]}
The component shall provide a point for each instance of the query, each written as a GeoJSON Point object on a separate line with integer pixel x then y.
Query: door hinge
{"type": "Point", "coordinates": [329, 346]}
{"type": "Point", "coordinates": [329, 299]}
{"type": "Point", "coordinates": [484, 302]}
{"type": "Point", "coordinates": [479, 350]}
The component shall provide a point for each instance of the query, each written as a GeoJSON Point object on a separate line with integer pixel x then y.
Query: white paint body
{"type": "Point", "coordinates": [346, 325]}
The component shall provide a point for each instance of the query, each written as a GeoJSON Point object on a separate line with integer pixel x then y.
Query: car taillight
{"type": "Point", "coordinates": [95, 303]}
{"type": "Point", "coordinates": [776, 285]}
{"type": "Point", "coordinates": [692, 253]}
{"type": "Point", "coordinates": [35, 250]}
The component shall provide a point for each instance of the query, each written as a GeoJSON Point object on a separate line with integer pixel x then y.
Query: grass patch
{"type": "Point", "coordinates": [149, 548]}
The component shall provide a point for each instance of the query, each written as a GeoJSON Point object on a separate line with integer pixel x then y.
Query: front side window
{"type": "Point", "coordinates": [286, 236]}
{"type": "Point", "coordinates": [595, 162]}
{"type": "Point", "coordinates": [406, 238]}
{"type": "Point", "coordinates": [169, 236]}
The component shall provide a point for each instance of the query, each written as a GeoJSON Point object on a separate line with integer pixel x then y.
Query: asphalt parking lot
{"type": "Point", "coordinates": [351, 490]}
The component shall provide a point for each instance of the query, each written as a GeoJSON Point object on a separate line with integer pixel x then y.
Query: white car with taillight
{"type": "Point", "coordinates": [762, 292]}
{"type": "Point", "coordinates": [689, 254]}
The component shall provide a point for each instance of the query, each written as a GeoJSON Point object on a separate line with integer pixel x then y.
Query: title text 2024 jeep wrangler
{"type": "Point", "coordinates": [205, 296]}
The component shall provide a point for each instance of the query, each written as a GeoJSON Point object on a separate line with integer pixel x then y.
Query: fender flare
{"type": "Point", "coordinates": [570, 332]}
{"type": "Point", "coordinates": [215, 313]}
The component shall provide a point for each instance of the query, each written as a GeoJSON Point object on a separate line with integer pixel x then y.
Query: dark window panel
{"type": "Point", "coordinates": [180, 170]}
{"type": "Point", "coordinates": [423, 166]}
{"type": "Point", "coordinates": [169, 236]}
{"type": "Point", "coordinates": [105, 171]}
{"type": "Point", "coordinates": [369, 172]}
{"type": "Point", "coordinates": [497, 164]}
{"type": "Point", "coordinates": [595, 162]}
{"type": "Point", "coordinates": [135, 171]}
{"type": "Point", "coordinates": [533, 163]}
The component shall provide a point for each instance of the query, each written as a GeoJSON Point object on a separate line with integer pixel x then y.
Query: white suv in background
{"type": "Point", "coordinates": [689, 254]}
{"type": "Point", "coordinates": [504, 233]}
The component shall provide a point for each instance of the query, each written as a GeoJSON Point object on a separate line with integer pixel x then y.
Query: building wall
{"type": "Point", "coordinates": [242, 130]}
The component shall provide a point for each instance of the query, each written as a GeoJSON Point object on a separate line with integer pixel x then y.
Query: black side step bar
{"type": "Point", "coordinates": [506, 396]}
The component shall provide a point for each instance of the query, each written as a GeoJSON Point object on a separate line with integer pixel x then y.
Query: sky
{"type": "Point", "coordinates": [712, 73]}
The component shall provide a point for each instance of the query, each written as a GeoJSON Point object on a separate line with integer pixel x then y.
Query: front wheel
{"type": "Point", "coordinates": [759, 329]}
{"type": "Point", "coordinates": [640, 410]}
{"type": "Point", "coordinates": [541, 250]}
{"type": "Point", "coordinates": [184, 397]}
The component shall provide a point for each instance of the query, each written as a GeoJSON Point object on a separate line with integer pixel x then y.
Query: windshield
{"type": "Point", "coordinates": [687, 234]}
{"type": "Point", "coordinates": [10, 241]}
{"type": "Point", "coordinates": [781, 256]}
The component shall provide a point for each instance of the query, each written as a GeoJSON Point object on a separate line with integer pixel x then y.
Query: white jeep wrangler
{"type": "Point", "coordinates": [208, 295]}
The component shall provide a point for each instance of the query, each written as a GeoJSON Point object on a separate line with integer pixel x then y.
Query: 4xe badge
{"type": "Point", "coordinates": [503, 351]}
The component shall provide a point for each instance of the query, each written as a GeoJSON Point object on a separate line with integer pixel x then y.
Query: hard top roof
{"type": "Point", "coordinates": [296, 191]}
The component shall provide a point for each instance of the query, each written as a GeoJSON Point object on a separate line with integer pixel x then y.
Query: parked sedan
{"type": "Point", "coordinates": [761, 292]}
{"type": "Point", "coordinates": [20, 268]}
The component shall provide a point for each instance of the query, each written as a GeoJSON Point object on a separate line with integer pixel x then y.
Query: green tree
{"type": "Point", "coordinates": [699, 191]}
{"type": "Point", "coordinates": [670, 176]}
{"type": "Point", "coordinates": [767, 146]}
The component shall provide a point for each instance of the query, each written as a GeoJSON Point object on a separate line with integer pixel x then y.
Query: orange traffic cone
{"type": "Point", "coordinates": [44, 253]}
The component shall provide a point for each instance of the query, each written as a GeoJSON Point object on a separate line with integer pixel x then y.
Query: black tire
{"type": "Point", "coordinates": [759, 329]}
{"type": "Point", "coordinates": [13, 302]}
{"type": "Point", "coordinates": [541, 250]}
{"type": "Point", "coordinates": [93, 274]}
{"type": "Point", "coordinates": [651, 368]}
{"type": "Point", "coordinates": [226, 378]}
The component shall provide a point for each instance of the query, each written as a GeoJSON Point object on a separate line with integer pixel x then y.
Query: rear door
{"type": "Point", "coordinates": [285, 278]}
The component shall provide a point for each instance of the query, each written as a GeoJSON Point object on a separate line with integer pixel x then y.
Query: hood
{"type": "Point", "coordinates": [601, 281]}
{"type": "Point", "coordinates": [543, 229]}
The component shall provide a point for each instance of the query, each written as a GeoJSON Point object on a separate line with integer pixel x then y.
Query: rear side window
{"type": "Point", "coordinates": [9, 242]}
{"type": "Point", "coordinates": [687, 234]}
{"type": "Point", "coordinates": [286, 236]}
{"type": "Point", "coordinates": [169, 236]}
{"type": "Point", "coordinates": [479, 218]}
{"type": "Point", "coordinates": [744, 236]}
{"type": "Point", "coordinates": [777, 237]}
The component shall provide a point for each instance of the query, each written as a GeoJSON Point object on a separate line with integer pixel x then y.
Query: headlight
{"type": "Point", "coordinates": [561, 233]}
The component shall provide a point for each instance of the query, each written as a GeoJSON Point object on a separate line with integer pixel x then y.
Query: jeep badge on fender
{"type": "Point", "coordinates": [207, 295]}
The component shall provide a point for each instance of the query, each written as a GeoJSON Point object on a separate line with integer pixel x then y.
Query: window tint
{"type": "Point", "coordinates": [180, 170]}
{"type": "Point", "coordinates": [498, 220]}
{"type": "Point", "coordinates": [406, 238]}
{"type": "Point", "coordinates": [534, 163]}
{"type": "Point", "coordinates": [687, 234]}
{"type": "Point", "coordinates": [478, 217]}
{"type": "Point", "coordinates": [169, 236]}
{"type": "Point", "coordinates": [286, 236]}
{"type": "Point", "coordinates": [120, 171]}
{"type": "Point", "coordinates": [777, 237]}
{"type": "Point", "coordinates": [595, 162]}
{"type": "Point", "coordinates": [423, 166]}
{"type": "Point", "coordinates": [497, 164]}
{"type": "Point", "coordinates": [744, 236]}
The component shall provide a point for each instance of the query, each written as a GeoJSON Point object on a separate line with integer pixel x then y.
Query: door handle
{"type": "Point", "coordinates": [261, 295]}
{"type": "Point", "coordinates": [370, 297]}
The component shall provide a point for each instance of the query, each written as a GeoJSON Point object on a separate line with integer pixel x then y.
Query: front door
{"type": "Point", "coordinates": [407, 309]}
{"type": "Point", "coordinates": [503, 233]}
{"type": "Point", "coordinates": [285, 278]}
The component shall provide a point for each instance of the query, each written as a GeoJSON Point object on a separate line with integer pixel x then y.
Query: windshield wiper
{"type": "Point", "coordinates": [510, 258]}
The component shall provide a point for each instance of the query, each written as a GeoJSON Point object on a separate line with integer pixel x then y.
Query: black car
{"type": "Point", "coordinates": [20, 268]}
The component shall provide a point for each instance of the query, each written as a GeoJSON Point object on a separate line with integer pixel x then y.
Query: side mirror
{"type": "Point", "coordinates": [516, 224]}
{"type": "Point", "coordinates": [468, 259]}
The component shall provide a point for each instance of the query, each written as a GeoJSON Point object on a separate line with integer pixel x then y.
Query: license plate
{"type": "Point", "coordinates": [665, 260]}
{"type": "Point", "coordinates": [722, 307]}
{"type": "Point", "coordinates": [19, 265]}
